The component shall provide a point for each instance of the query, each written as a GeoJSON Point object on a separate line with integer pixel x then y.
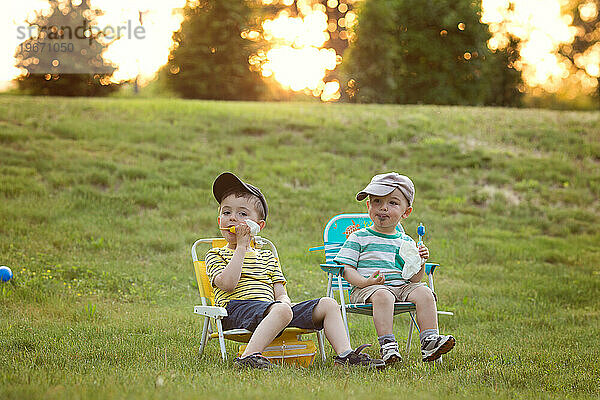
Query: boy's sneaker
{"type": "Point", "coordinates": [253, 361]}
{"type": "Point", "coordinates": [434, 346]}
{"type": "Point", "coordinates": [356, 358]}
{"type": "Point", "coordinates": [390, 352]}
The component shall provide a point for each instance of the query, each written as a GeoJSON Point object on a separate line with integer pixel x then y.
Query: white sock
{"type": "Point", "coordinates": [345, 353]}
{"type": "Point", "coordinates": [426, 333]}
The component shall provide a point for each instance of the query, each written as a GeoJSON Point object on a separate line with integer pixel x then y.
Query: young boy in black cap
{"type": "Point", "coordinates": [250, 285]}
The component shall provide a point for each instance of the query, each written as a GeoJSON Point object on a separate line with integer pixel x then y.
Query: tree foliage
{"type": "Point", "coordinates": [60, 59]}
{"type": "Point", "coordinates": [586, 18]}
{"type": "Point", "coordinates": [424, 51]}
{"type": "Point", "coordinates": [504, 83]}
{"type": "Point", "coordinates": [210, 57]}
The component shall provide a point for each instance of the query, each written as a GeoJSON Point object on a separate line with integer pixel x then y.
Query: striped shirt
{"type": "Point", "coordinates": [369, 251]}
{"type": "Point", "coordinates": [260, 270]}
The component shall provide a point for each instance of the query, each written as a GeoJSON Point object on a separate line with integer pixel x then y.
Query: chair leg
{"type": "Point", "coordinates": [410, 329]}
{"type": "Point", "coordinates": [221, 340]}
{"type": "Point", "coordinates": [321, 344]}
{"type": "Point", "coordinates": [411, 324]}
{"type": "Point", "coordinates": [343, 304]}
{"type": "Point", "coordinates": [204, 336]}
{"type": "Point", "coordinates": [329, 291]}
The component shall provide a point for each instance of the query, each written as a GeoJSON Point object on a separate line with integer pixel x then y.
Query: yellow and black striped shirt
{"type": "Point", "coordinates": [260, 270]}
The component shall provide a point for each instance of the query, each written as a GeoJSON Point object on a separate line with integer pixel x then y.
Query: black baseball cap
{"type": "Point", "coordinates": [227, 181]}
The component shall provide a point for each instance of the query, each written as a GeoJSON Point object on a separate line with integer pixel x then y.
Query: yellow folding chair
{"type": "Point", "coordinates": [283, 348]}
{"type": "Point", "coordinates": [335, 234]}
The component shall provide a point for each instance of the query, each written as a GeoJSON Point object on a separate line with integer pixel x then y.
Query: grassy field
{"type": "Point", "coordinates": [100, 201]}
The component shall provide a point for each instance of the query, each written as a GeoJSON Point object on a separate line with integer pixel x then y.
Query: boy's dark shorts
{"type": "Point", "coordinates": [247, 314]}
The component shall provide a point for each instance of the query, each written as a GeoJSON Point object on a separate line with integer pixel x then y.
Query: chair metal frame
{"type": "Point", "coordinates": [335, 281]}
{"type": "Point", "coordinates": [213, 314]}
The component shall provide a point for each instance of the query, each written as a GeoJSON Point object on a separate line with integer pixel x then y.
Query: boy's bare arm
{"type": "Point", "coordinates": [416, 278]}
{"type": "Point", "coordinates": [356, 279]}
{"type": "Point", "coordinates": [228, 279]}
{"type": "Point", "coordinates": [281, 293]}
{"type": "Point", "coordinates": [424, 253]}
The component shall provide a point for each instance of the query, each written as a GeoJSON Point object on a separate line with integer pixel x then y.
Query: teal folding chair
{"type": "Point", "coordinates": [335, 234]}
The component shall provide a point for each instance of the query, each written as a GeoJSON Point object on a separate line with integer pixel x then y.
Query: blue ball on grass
{"type": "Point", "coordinates": [5, 274]}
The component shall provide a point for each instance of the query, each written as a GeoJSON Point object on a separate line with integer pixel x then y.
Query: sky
{"type": "Point", "coordinates": [297, 59]}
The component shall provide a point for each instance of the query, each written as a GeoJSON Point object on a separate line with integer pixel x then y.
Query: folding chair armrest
{"type": "Point", "coordinates": [430, 268]}
{"type": "Point", "coordinates": [335, 269]}
{"type": "Point", "coordinates": [211, 311]}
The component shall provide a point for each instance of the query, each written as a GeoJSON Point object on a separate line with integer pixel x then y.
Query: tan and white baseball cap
{"type": "Point", "coordinates": [384, 184]}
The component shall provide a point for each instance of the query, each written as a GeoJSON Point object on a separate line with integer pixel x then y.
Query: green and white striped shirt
{"type": "Point", "coordinates": [369, 251]}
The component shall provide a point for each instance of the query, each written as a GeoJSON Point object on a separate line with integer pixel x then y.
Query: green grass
{"type": "Point", "coordinates": [100, 201]}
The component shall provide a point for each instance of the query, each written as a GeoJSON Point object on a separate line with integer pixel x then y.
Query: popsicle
{"type": "Point", "coordinates": [254, 227]}
{"type": "Point", "coordinates": [421, 233]}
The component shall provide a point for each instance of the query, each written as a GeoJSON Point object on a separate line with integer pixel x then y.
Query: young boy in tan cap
{"type": "Point", "coordinates": [250, 285]}
{"type": "Point", "coordinates": [384, 266]}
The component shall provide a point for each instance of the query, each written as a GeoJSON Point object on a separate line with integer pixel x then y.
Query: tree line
{"type": "Point", "coordinates": [400, 51]}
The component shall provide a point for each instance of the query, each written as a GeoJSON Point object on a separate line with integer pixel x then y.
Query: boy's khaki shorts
{"type": "Point", "coordinates": [401, 292]}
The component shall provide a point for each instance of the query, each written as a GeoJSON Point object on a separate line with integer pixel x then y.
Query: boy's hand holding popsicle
{"type": "Point", "coordinates": [244, 231]}
{"type": "Point", "coordinates": [254, 227]}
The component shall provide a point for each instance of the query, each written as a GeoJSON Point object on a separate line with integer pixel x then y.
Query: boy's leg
{"type": "Point", "coordinates": [383, 318]}
{"type": "Point", "coordinates": [324, 313]}
{"type": "Point", "coordinates": [278, 317]}
{"type": "Point", "coordinates": [327, 313]}
{"type": "Point", "coordinates": [426, 307]}
{"type": "Point", "coordinates": [433, 345]}
{"type": "Point", "coordinates": [383, 311]}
